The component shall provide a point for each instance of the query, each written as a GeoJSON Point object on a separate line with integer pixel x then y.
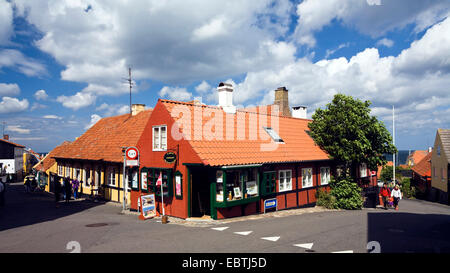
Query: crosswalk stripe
{"type": "Point", "coordinates": [307, 246]}
{"type": "Point", "coordinates": [344, 251]}
{"type": "Point", "coordinates": [243, 232]}
{"type": "Point", "coordinates": [273, 239]}
{"type": "Point", "coordinates": [220, 228]}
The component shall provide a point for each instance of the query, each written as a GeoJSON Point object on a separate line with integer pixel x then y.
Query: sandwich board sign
{"type": "Point", "coordinates": [148, 207]}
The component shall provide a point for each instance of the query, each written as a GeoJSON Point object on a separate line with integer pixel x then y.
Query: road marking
{"type": "Point", "coordinates": [307, 246]}
{"type": "Point", "coordinates": [273, 239]}
{"type": "Point", "coordinates": [344, 251]}
{"type": "Point", "coordinates": [220, 228]}
{"type": "Point", "coordinates": [245, 233]}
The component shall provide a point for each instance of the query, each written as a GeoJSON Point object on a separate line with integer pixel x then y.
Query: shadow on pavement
{"type": "Point", "coordinates": [399, 232]}
{"type": "Point", "coordinates": [22, 209]}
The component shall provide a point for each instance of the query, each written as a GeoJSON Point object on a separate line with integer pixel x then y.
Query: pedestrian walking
{"type": "Point", "coordinates": [75, 185]}
{"type": "Point", "coordinates": [385, 194]}
{"type": "Point", "coordinates": [67, 189]}
{"type": "Point", "coordinates": [57, 187]}
{"type": "Point", "coordinates": [397, 195]}
{"type": "Point", "coordinates": [2, 192]}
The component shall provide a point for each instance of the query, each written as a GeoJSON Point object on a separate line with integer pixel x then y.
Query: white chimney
{"type": "Point", "coordinates": [299, 111]}
{"type": "Point", "coordinates": [430, 149]}
{"type": "Point", "coordinates": [226, 97]}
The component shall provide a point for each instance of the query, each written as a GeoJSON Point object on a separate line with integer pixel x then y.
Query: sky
{"type": "Point", "coordinates": [64, 63]}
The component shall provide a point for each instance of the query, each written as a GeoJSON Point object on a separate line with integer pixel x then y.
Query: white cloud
{"type": "Point", "coordinates": [203, 87]}
{"type": "Point", "coordinates": [175, 93]}
{"type": "Point", "coordinates": [52, 117]}
{"type": "Point", "coordinates": [14, 59]}
{"type": "Point", "coordinates": [94, 119]}
{"type": "Point", "coordinates": [6, 22]}
{"type": "Point", "coordinates": [38, 106]}
{"type": "Point", "coordinates": [9, 89]}
{"type": "Point", "coordinates": [114, 109]}
{"type": "Point", "coordinates": [77, 101]}
{"type": "Point", "coordinates": [40, 95]}
{"type": "Point", "coordinates": [18, 129]}
{"type": "Point", "coordinates": [12, 105]}
{"type": "Point", "coordinates": [374, 18]}
{"type": "Point", "coordinates": [385, 42]}
{"type": "Point", "coordinates": [330, 52]}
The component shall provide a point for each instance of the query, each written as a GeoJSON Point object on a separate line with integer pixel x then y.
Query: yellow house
{"type": "Point", "coordinates": [47, 167]}
{"type": "Point", "coordinates": [96, 158]}
{"type": "Point", "coordinates": [440, 167]}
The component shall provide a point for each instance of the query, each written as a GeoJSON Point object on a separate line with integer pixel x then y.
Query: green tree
{"type": "Point", "coordinates": [386, 174]}
{"type": "Point", "coordinates": [350, 135]}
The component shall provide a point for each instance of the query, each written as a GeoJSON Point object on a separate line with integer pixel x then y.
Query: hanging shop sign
{"type": "Point", "coordinates": [148, 208]}
{"type": "Point", "coordinates": [170, 157]}
{"type": "Point", "coordinates": [132, 157]}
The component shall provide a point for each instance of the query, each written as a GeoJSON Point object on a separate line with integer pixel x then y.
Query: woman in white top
{"type": "Point", "coordinates": [397, 194]}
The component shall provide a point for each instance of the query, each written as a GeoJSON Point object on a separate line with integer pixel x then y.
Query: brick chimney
{"type": "Point", "coordinates": [137, 108]}
{"type": "Point", "coordinates": [282, 100]}
{"type": "Point", "coordinates": [6, 137]}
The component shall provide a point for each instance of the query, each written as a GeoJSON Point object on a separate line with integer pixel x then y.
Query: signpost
{"type": "Point", "coordinates": [130, 159]}
{"type": "Point", "coordinates": [170, 157]}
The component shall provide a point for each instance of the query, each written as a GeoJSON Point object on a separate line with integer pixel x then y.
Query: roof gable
{"type": "Point", "coordinates": [444, 135]}
{"type": "Point", "coordinates": [423, 167]}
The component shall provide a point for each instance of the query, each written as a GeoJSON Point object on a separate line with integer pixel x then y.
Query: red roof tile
{"type": "Point", "coordinates": [12, 143]}
{"type": "Point", "coordinates": [242, 149]}
{"type": "Point", "coordinates": [104, 140]}
{"type": "Point", "coordinates": [423, 168]}
{"type": "Point", "coordinates": [416, 156]}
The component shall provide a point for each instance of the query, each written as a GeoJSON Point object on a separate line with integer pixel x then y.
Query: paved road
{"type": "Point", "coordinates": [31, 223]}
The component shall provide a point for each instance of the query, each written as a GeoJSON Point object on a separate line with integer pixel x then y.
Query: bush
{"type": "Point", "coordinates": [347, 194]}
{"type": "Point", "coordinates": [325, 199]}
{"type": "Point", "coordinates": [408, 190]}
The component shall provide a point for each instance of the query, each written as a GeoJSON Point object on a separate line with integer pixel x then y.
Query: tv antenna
{"type": "Point", "coordinates": [130, 82]}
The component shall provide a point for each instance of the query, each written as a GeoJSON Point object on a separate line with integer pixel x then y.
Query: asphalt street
{"type": "Point", "coordinates": [30, 222]}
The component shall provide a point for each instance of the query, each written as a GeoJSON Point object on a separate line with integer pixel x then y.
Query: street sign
{"type": "Point", "coordinates": [270, 204]}
{"type": "Point", "coordinates": [132, 157]}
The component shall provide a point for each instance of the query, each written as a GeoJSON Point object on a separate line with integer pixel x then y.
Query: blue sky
{"type": "Point", "coordinates": [62, 64]}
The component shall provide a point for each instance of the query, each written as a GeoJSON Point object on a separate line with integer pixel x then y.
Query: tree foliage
{"type": "Point", "coordinates": [349, 134]}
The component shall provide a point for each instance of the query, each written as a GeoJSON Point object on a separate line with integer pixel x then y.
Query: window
{"type": "Point", "coordinates": [268, 183]}
{"type": "Point", "coordinates": [363, 170]}
{"type": "Point", "coordinates": [273, 135]}
{"type": "Point", "coordinates": [285, 178]}
{"type": "Point", "coordinates": [339, 170]}
{"type": "Point", "coordinates": [77, 174]}
{"type": "Point", "coordinates": [112, 177]}
{"type": "Point", "coordinates": [307, 177]}
{"type": "Point", "coordinates": [87, 177]}
{"type": "Point", "coordinates": [160, 138]}
{"type": "Point", "coordinates": [324, 175]}
{"type": "Point", "coordinates": [67, 171]}
{"type": "Point", "coordinates": [60, 170]}
{"type": "Point", "coordinates": [438, 150]}
{"type": "Point", "coordinates": [240, 184]}
{"type": "Point", "coordinates": [442, 174]}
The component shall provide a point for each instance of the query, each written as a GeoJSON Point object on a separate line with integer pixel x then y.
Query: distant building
{"type": "Point", "coordinates": [11, 159]}
{"type": "Point", "coordinates": [416, 156]}
{"type": "Point", "coordinates": [440, 166]}
{"type": "Point", "coordinates": [421, 174]}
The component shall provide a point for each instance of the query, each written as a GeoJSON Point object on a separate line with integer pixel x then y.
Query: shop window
{"type": "Point", "coordinates": [285, 178]}
{"type": "Point", "coordinates": [133, 182]}
{"type": "Point", "coordinates": [307, 180]}
{"type": "Point", "coordinates": [144, 180]}
{"type": "Point", "coordinates": [178, 185]}
{"type": "Point", "coordinates": [325, 175]}
{"type": "Point", "coordinates": [240, 184]}
{"type": "Point", "coordinates": [269, 182]}
{"type": "Point", "coordinates": [160, 138]}
{"type": "Point", "coordinates": [167, 181]}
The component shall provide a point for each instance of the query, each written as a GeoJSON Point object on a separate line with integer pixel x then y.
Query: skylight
{"type": "Point", "coordinates": [273, 135]}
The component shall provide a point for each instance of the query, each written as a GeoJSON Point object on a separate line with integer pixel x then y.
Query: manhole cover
{"type": "Point", "coordinates": [97, 225]}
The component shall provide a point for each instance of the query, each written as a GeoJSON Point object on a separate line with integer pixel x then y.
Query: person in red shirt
{"type": "Point", "coordinates": [385, 194]}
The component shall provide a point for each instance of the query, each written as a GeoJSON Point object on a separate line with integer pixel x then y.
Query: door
{"type": "Point", "coordinates": [269, 183]}
{"type": "Point", "coordinates": [201, 204]}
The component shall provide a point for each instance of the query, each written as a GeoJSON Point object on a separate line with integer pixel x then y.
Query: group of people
{"type": "Point", "coordinates": [386, 193]}
{"type": "Point", "coordinates": [67, 187]}
{"type": "Point", "coordinates": [30, 184]}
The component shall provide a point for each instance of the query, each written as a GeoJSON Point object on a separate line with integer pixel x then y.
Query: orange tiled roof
{"type": "Point", "coordinates": [48, 161]}
{"type": "Point", "coordinates": [298, 145]}
{"type": "Point", "coordinates": [104, 140]}
{"type": "Point", "coordinates": [417, 156]}
{"type": "Point", "coordinates": [12, 143]}
{"type": "Point", "coordinates": [423, 167]}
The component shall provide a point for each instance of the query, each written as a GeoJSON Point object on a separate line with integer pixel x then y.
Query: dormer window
{"type": "Point", "coordinates": [273, 135]}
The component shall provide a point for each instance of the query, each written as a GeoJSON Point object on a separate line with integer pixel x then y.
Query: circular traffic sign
{"type": "Point", "coordinates": [132, 153]}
